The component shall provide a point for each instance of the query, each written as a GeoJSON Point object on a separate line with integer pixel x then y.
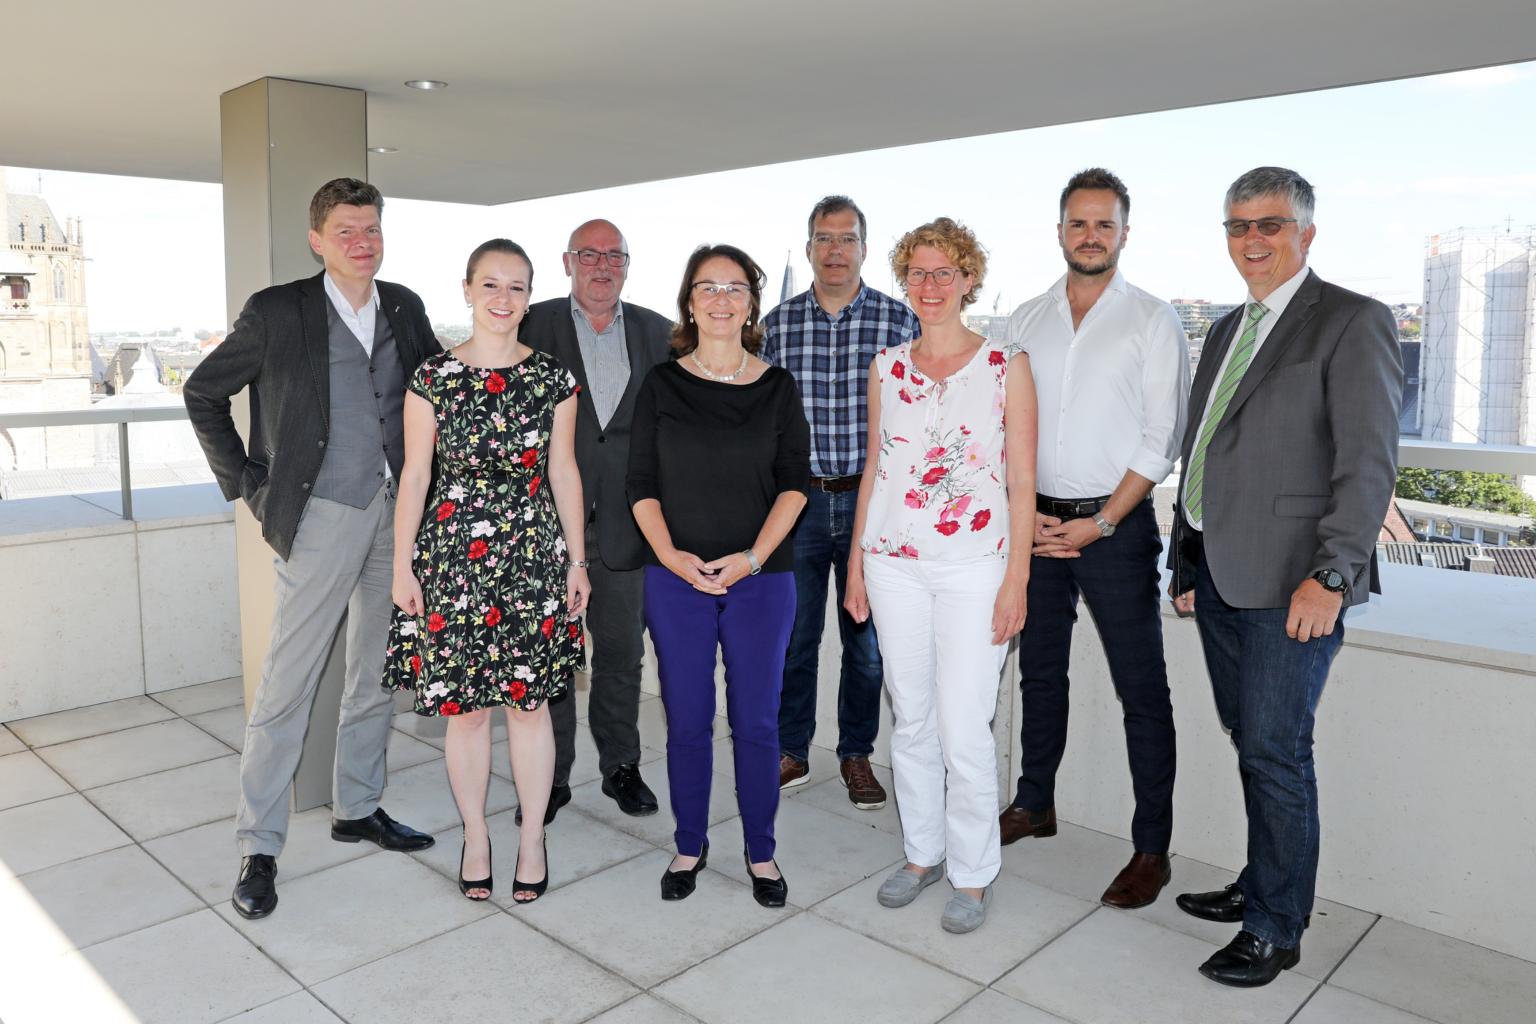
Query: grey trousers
{"type": "Point", "coordinates": [341, 562]}
{"type": "Point", "coordinates": [616, 628]}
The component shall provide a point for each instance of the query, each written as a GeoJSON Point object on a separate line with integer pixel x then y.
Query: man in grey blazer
{"type": "Point", "coordinates": [326, 360]}
{"type": "Point", "coordinates": [1289, 462]}
{"type": "Point", "coordinates": [610, 346]}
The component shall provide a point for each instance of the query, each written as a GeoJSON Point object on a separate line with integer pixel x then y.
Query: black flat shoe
{"type": "Point", "coordinates": [1248, 962]}
{"type": "Point", "coordinates": [256, 888]}
{"type": "Point", "coordinates": [380, 828]}
{"type": "Point", "coordinates": [559, 796]}
{"type": "Point", "coordinates": [536, 888]}
{"type": "Point", "coordinates": [769, 892]}
{"type": "Point", "coordinates": [486, 883]}
{"type": "Point", "coordinates": [679, 885]}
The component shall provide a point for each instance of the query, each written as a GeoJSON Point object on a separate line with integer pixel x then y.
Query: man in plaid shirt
{"type": "Point", "coordinates": [826, 337]}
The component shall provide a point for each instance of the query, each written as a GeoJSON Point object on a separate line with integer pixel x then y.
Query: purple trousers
{"type": "Point", "coordinates": [750, 626]}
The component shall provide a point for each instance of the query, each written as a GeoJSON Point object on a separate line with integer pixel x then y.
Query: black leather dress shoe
{"type": "Point", "coordinates": [559, 796]}
{"type": "Point", "coordinates": [769, 892]}
{"type": "Point", "coordinates": [1224, 905]}
{"type": "Point", "coordinates": [380, 828]}
{"type": "Point", "coordinates": [629, 791]}
{"type": "Point", "coordinates": [1248, 962]}
{"type": "Point", "coordinates": [679, 885]}
{"type": "Point", "coordinates": [256, 888]}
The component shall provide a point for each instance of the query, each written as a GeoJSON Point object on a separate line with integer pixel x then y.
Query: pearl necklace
{"type": "Point", "coordinates": [727, 378]}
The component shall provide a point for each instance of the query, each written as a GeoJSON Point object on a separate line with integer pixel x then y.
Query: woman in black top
{"type": "Point", "coordinates": [718, 467]}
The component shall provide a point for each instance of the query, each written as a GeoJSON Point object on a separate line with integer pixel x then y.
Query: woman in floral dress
{"type": "Point", "coordinates": [950, 477]}
{"type": "Point", "coordinates": [490, 573]}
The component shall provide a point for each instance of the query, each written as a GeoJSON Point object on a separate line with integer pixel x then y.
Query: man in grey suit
{"type": "Point", "coordinates": [610, 346]}
{"type": "Point", "coordinates": [1289, 462]}
{"type": "Point", "coordinates": [326, 360]}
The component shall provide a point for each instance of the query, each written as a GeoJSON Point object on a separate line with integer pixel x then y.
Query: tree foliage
{"type": "Point", "coordinates": [1491, 492]}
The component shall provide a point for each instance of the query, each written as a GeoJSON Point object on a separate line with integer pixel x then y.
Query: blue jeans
{"type": "Point", "coordinates": [1267, 687]}
{"type": "Point", "coordinates": [822, 539]}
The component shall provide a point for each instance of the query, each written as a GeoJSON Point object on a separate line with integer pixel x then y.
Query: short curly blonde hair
{"type": "Point", "coordinates": [955, 241]}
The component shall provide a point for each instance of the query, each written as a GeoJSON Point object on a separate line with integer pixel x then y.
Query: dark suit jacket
{"type": "Point", "coordinates": [280, 349]}
{"type": "Point", "coordinates": [602, 453]}
{"type": "Point", "coordinates": [1300, 470]}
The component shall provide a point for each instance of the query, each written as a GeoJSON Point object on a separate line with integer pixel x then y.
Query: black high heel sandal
{"type": "Point", "coordinates": [679, 885]}
{"type": "Point", "coordinates": [537, 888]}
{"type": "Point", "coordinates": [769, 892]}
{"type": "Point", "coordinates": [465, 885]}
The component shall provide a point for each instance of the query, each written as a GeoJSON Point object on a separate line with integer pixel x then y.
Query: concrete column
{"type": "Point", "coordinates": [281, 141]}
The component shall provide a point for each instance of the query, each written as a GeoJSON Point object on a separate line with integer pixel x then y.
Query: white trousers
{"type": "Point", "coordinates": [934, 620]}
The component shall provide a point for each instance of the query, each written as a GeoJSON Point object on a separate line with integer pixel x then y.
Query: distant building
{"type": "Point", "coordinates": [45, 349]}
{"type": "Point", "coordinates": [1478, 360]}
{"type": "Point", "coordinates": [1197, 315]}
{"type": "Point", "coordinates": [1410, 422]}
{"type": "Point", "coordinates": [991, 327]}
{"type": "Point", "coordinates": [1432, 522]}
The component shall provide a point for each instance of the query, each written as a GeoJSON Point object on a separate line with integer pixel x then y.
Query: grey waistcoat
{"type": "Point", "coordinates": [366, 429]}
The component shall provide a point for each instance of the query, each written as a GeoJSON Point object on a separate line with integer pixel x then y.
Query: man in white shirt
{"type": "Point", "coordinates": [1111, 367]}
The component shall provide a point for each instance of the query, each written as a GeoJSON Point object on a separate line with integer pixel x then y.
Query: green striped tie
{"type": "Point", "coordinates": [1242, 355]}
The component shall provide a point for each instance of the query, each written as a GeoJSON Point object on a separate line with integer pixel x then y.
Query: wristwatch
{"type": "Point", "coordinates": [581, 564]}
{"type": "Point", "coordinates": [1106, 528]}
{"type": "Point", "coordinates": [757, 566]}
{"type": "Point", "coordinates": [1331, 579]}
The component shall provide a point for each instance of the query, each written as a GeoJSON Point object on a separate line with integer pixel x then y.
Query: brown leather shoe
{"type": "Point", "coordinates": [1016, 823]}
{"type": "Point", "coordinates": [1139, 882]}
{"type": "Point", "coordinates": [864, 790]}
{"type": "Point", "coordinates": [793, 771]}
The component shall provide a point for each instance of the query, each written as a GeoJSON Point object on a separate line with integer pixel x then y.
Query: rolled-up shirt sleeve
{"type": "Point", "coordinates": [1165, 397]}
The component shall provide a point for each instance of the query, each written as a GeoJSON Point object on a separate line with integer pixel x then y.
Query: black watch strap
{"type": "Point", "coordinates": [1331, 580]}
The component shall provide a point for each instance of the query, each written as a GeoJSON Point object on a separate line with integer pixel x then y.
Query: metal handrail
{"type": "Point", "coordinates": [1477, 458]}
{"type": "Point", "coordinates": [96, 417]}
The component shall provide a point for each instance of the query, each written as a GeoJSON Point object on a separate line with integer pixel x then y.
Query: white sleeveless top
{"type": "Point", "coordinates": [940, 488]}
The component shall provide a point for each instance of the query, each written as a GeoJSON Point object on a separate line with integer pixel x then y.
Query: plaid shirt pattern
{"type": "Point", "coordinates": [829, 359]}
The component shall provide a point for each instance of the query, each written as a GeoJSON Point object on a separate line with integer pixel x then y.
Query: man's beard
{"type": "Point", "coordinates": [1091, 270]}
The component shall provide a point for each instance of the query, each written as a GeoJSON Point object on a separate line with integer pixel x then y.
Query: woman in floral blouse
{"type": "Point", "coordinates": [488, 583]}
{"type": "Point", "coordinates": [951, 476]}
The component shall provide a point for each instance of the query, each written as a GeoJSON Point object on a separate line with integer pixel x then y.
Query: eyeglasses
{"type": "Point", "coordinates": [591, 257]}
{"type": "Point", "coordinates": [827, 241]}
{"type": "Point", "coordinates": [943, 277]}
{"type": "Point", "coordinates": [709, 289]}
{"type": "Point", "coordinates": [1268, 226]}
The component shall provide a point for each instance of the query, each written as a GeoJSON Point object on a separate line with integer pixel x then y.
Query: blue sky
{"type": "Point", "coordinates": [1392, 164]}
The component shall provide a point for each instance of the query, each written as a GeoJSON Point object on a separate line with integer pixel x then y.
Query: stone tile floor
{"type": "Point", "coordinates": [117, 858]}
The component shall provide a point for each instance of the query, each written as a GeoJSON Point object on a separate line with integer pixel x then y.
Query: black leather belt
{"type": "Point", "coordinates": [836, 484]}
{"type": "Point", "coordinates": [1069, 508]}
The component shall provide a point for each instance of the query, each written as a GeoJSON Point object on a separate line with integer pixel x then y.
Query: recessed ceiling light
{"type": "Point", "coordinates": [383, 149]}
{"type": "Point", "coordinates": [426, 83]}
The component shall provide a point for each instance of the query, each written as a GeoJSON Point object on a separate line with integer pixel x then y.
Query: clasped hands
{"type": "Point", "coordinates": [707, 577]}
{"type": "Point", "coordinates": [1056, 539]}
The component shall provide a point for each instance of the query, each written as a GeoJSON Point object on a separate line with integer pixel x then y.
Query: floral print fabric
{"type": "Point", "coordinates": [940, 487]}
{"type": "Point", "coordinates": [490, 555]}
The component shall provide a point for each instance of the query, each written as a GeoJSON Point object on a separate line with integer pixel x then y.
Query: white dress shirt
{"type": "Point", "coordinates": [1112, 393]}
{"type": "Point", "coordinates": [360, 322]}
{"type": "Point", "coordinates": [1275, 304]}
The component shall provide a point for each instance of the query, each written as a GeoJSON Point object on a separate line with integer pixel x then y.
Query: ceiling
{"type": "Point", "coordinates": [547, 97]}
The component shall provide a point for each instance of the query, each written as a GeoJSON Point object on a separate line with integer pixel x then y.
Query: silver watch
{"type": "Point", "coordinates": [581, 564]}
{"type": "Point", "coordinates": [1106, 528]}
{"type": "Point", "coordinates": [757, 566]}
